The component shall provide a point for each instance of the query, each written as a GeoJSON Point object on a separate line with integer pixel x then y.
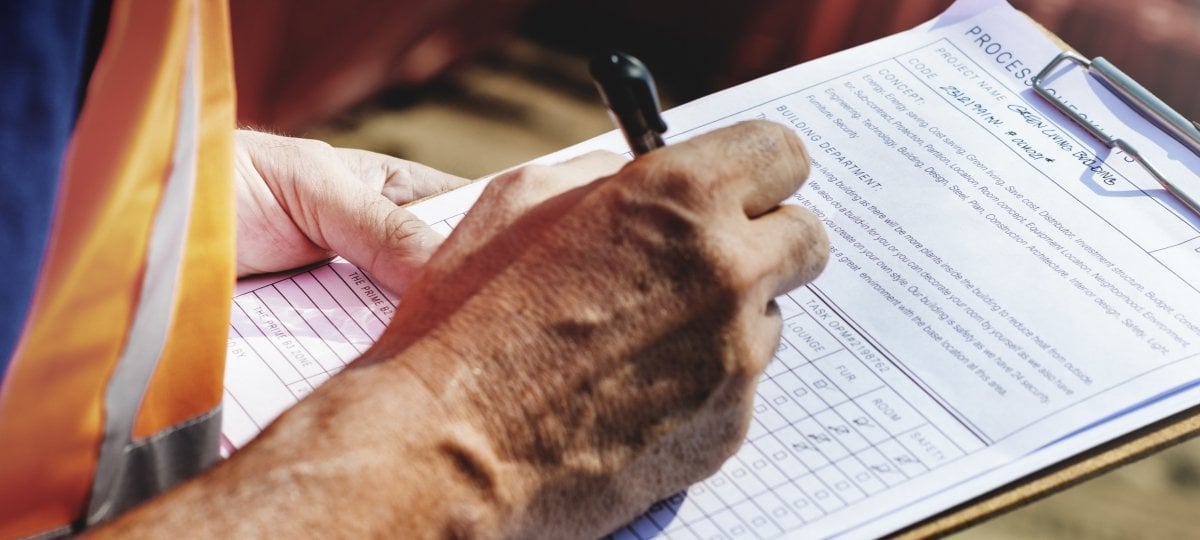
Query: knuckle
{"type": "Point", "coordinates": [399, 192]}
{"type": "Point", "coordinates": [782, 144]}
{"type": "Point", "coordinates": [517, 186]}
{"type": "Point", "coordinates": [405, 228]}
{"type": "Point", "coordinates": [394, 172]}
{"type": "Point", "coordinates": [774, 146]}
{"type": "Point", "coordinates": [529, 176]}
{"type": "Point", "coordinates": [601, 159]}
{"type": "Point", "coordinates": [524, 179]}
{"type": "Point", "coordinates": [283, 153]}
{"type": "Point", "coordinates": [740, 276]}
{"type": "Point", "coordinates": [408, 241]}
{"type": "Point", "coordinates": [797, 152]}
{"type": "Point", "coordinates": [812, 246]}
{"type": "Point", "coordinates": [671, 176]}
{"type": "Point", "coordinates": [805, 244]}
{"type": "Point", "coordinates": [303, 147]}
{"type": "Point", "coordinates": [312, 145]}
{"type": "Point", "coordinates": [774, 134]}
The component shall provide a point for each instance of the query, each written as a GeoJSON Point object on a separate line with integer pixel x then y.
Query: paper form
{"type": "Point", "coordinates": [1002, 293]}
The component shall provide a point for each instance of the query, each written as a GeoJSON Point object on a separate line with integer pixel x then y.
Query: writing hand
{"type": "Point", "coordinates": [599, 342]}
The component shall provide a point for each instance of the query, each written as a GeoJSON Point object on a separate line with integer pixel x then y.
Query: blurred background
{"type": "Point", "coordinates": [473, 87]}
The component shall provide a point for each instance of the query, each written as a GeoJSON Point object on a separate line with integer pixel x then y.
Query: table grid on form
{"type": "Point", "coordinates": [828, 430]}
{"type": "Point", "coordinates": [302, 330]}
{"type": "Point", "coordinates": [826, 433]}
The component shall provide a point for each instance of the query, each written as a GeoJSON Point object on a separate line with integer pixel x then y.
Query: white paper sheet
{"type": "Point", "coordinates": [1003, 293]}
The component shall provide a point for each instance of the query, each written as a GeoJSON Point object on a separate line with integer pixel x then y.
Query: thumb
{"type": "Point", "coordinates": [379, 236]}
{"type": "Point", "coordinates": [399, 180]}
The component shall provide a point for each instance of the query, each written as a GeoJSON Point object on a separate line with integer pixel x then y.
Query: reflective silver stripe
{"type": "Point", "coordinates": [154, 464]}
{"type": "Point", "coordinates": [152, 315]}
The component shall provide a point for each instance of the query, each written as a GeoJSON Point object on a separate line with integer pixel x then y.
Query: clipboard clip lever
{"type": "Point", "coordinates": [1141, 100]}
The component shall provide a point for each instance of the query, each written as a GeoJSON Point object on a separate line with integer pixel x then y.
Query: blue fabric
{"type": "Point", "coordinates": [43, 58]}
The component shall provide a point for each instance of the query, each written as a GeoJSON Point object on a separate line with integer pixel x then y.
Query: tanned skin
{"type": "Point", "coordinates": [586, 342]}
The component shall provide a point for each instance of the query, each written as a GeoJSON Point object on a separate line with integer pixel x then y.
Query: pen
{"type": "Point", "coordinates": [628, 91]}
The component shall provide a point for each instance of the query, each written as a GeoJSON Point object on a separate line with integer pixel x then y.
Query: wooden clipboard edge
{"type": "Point", "coordinates": [1084, 466]}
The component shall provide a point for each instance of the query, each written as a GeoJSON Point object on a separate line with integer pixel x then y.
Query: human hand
{"type": "Point", "coordinates": [301, 200]}
{"type": "Point", "coordinates": [595, 346]}
{"type": "Point", "coordinates": [575, 351]}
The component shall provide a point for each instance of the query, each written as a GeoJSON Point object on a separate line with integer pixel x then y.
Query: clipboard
{"type": "Point", "coordinates": [1150, 438]}
{"type": "Point", "coordinates": [1187, 132]}
{"type": "Point", "coordinates": [1131, 447]}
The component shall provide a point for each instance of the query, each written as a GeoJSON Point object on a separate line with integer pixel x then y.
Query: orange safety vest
{"type": "Point", "coordinates": [114, 391]}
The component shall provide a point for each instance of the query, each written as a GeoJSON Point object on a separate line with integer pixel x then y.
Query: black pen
{"type": "Point", "coordinates": [628, 91]}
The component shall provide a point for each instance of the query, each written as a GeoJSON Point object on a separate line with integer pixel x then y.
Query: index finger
{"type": "Point", "coordinates": [758, 163]}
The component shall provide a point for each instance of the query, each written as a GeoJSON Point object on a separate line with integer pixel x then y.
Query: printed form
{"type": "Point", "coordinates": [1002, 292]}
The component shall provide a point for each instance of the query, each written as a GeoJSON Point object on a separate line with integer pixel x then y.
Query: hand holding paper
{"type": "Point", "coordinates": [300, 201]}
